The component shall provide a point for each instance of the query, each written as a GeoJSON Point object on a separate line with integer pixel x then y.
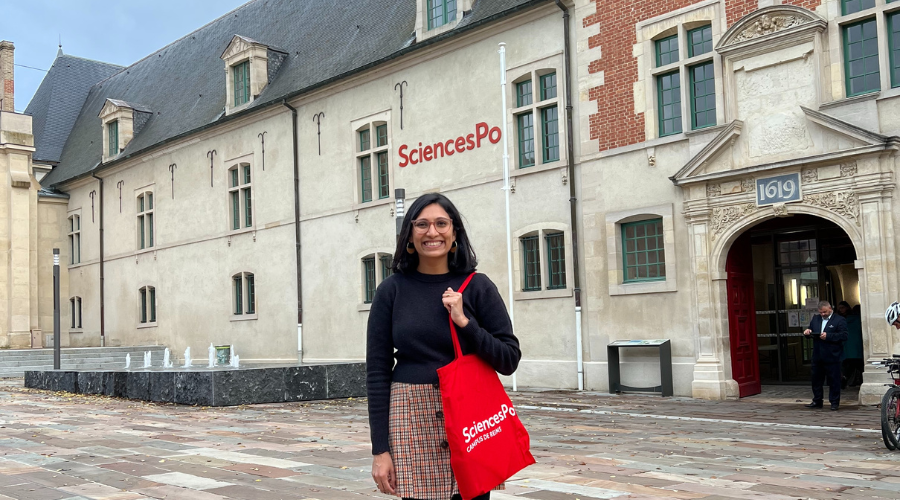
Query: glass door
{"type": "Point", "coordinates": [799, 277]}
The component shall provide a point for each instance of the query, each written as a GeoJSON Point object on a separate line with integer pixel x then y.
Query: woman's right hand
{"type": "Point", "coordinates": [383, 473]}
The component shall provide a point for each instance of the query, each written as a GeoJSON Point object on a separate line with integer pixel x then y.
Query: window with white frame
{"type": "Point", "coordinates": [372, 161]}
{"type": "Point", "coordinates": [145, 229]}
{"type": "Point", "coordinates": [870, 42]}
{"type": "Point", "coordinates": [543, 260]}
{"type": "Point", "coordinates": [536, 118]}
{"type": "Point", "coordinates": [682, 79]}
{"type": "Point", "coordinates": [147, 305]}
{"type": "Point", "coordinates": [75, 308]}
{"type": "Point", "coordinates": [243, 286]}
{"type": "Point", "coordinates": [239, 197]}
{"type": "Point", "coordinates": [375, 268]}
{"type": "Point", "coordinates": [74, 239]}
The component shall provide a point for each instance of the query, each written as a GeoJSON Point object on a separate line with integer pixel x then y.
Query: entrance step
{"type": "Point", "coordinates": [15, 362]}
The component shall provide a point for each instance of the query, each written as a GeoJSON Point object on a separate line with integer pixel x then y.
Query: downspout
{"type": "Point", "coordinates": [102, 297]}
{"type": "Point", "coordinates": [297, 233]}
{"type": "Point", "coordinates": [573, 200]}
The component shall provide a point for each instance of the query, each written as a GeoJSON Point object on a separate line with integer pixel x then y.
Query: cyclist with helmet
{"type": "Point", "coordinates": [892, 315]}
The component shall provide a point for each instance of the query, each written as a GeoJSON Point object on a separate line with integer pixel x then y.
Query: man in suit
{"type": "Point", "coordinates": [829, 332]}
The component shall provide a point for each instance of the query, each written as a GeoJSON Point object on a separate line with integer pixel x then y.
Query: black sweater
{"type": "Point", "coordinates": [408, 315]}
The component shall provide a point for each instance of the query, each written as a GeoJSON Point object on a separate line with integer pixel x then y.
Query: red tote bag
{"type": "Point", "coordinates": [488, 443]}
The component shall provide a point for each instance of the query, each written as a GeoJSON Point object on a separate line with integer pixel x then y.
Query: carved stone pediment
{"type": "Point", "coordinates": [238, 45]}
{"type": "Point", "coordinates": [768, 21]}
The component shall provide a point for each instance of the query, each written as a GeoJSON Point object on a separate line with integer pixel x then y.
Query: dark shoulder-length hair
{"type": "Point", "coordinates": [461, 261]}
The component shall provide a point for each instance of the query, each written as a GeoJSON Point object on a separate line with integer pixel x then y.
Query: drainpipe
{"type": "Point", "coordinates": [573, 200]}
{"type": "Point", "coordinates": [102, 297]}
{"type": "Point", "coordinates": [297, 232]}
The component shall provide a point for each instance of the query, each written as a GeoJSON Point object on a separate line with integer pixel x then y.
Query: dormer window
{"type": "Point", "coordinates": [112, 137]}
{"type": "Point", "coordinates": [249, 67]}
{"type": "Point", "coordinates": [434, 17]}
{"type": "Point", "coordinates": [241, 82]}
{"type": "Point", "coordinates": [440, 12]}
{"type": "Point", "coordinates": [121, 122]}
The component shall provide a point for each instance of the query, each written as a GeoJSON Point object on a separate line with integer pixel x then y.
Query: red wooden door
{"type": "Point", "coordinates": [742, 318]}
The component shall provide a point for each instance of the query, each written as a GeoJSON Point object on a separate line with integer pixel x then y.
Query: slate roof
{"type": "Point", "coordinates": [183, 85]}
{"type": "Point", "coordinates": [58, 100]}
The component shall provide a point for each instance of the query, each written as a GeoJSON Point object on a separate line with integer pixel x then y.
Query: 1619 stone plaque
{"type": "Point", "coordinates": [778, 189]}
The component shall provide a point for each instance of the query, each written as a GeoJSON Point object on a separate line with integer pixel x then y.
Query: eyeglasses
{"type": "Point", "coordinates": [441, 225]}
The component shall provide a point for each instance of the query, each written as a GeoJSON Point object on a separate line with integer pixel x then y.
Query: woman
{"type": "Point", "coordinates": [408, 322]}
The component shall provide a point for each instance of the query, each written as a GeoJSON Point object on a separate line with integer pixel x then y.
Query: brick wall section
{"type": "Point", "coordinates": [616, 124]}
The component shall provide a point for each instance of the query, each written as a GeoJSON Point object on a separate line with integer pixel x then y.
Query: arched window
{"type": "Point", "coordinates": [75, 308]}
{"type": "Point", "coordinates": [375, 268]}
{"type": "Point", "coordinates": [243, 287]}
{"type": "Point", "coordinates": [148, 305]}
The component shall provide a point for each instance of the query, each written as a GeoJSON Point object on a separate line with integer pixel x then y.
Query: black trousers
{"type": "Point", "coordinates": [831, 371]}
{"type": "Point", "coordinates": [486, 496]}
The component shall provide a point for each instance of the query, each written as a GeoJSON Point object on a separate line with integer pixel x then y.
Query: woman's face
{"type": "Point", "coordinates": [432, 244]}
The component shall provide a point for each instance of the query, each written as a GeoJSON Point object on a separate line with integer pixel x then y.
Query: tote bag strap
{"type": "Point", "coordinates": [456, 348]}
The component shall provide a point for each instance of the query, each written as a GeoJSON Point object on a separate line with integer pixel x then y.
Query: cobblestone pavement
{"type": "Point", "coordinates": [59, 446]}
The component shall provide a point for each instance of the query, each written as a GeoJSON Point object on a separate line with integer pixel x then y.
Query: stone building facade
{"type": "Point", "coordinates": [731, 162]}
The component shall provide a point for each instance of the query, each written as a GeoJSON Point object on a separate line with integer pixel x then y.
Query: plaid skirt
{"type": "Point", "coordinates": [419, 445]}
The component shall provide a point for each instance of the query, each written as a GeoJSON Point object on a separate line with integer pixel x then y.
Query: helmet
{"type": "Point", "coordinates": [892, 313]}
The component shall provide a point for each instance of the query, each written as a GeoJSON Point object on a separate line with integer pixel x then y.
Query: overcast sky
{"type": "Point", "coordinates": [113, 31]}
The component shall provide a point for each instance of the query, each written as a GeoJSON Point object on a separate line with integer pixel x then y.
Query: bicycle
{"type": "Point", "coordinates": [890, 406]}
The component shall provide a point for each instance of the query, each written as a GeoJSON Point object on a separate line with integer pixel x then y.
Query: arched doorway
{"type": "Point", "coordinates": [777, 272]}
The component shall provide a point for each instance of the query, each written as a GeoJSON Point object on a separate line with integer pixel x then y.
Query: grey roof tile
{"type": "Point", "coordinates": [58, 100]}
{"type": "Point", "coordinates": [325, 40]}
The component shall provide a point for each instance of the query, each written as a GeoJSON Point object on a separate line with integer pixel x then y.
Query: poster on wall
{"type": "Point", "coordinates": [805, 317]}
{"type": "Point", "coordinates": [793, 319]}
{"type": "Point", "coordinates": [812, 303]}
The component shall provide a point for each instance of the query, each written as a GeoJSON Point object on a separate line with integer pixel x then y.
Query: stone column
{"type": "Point", "coordinates": [709, 371]}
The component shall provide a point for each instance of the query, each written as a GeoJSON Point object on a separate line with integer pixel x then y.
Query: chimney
{"type": "Point", "coordinates": [7, 86]}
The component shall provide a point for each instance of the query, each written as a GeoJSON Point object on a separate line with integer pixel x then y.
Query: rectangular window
{"type": "Point", "coordinates": [669, 100]}
{"type": "Point", "coordinates": [532, 264]}
{"type": "Point", "coordinates": [112, 136]}
{"type": "Point", "coordinates": [238, 295]}
{"type": "Point", "coordinates": [78, 309]}
{"type": "Point", "coordinates": [248, 210]}
{"type": "Point", "coordinates": [894, 44]}
{"type": "Point", "coordinates": [667, 51]}
{"type": "Point", "coordinates": [369, 273]}
{"type": "Point", "coordinates": [246, 174]}
{"type": "Point", "coordinates": [234, 178]}
{"type": "Point", "coordinates": [381, 135]}
{"type": "Point", "coordinates": [241, 83]}
{"type": "Point", "coordinates": [550, 133]}
{"type": "Point", "coordinates": [386, 269]}
{"type": "Point", "coordinates": [851, 6]}
{"type": "Point", "coordinates": [643, 251]}
{"type": "Point", "coordinates": [143, 305]}
{"type": "Point", "coordinates": [700, 41]}
{"type": "Point", "coordinates": [150, 229]}
{"type": "Point", "coordinates": [383, 180]}
{"type": "Point", "coordinates": [74, 239]}
{"type": "Point", "coordinates": [143, 231]}
{"type": "Point", "coordinates": [703, 95]}
{"type": "Point", "coordinates": [251, 295]}
{"type": "Point", "coordinates": [548, 86]}
{"type": "Point", "coordinates": [523, 94]}
{"type": "Point", "coordinates": [556, 261]}
{"type": "Point", "coordinates": [861, 58]}
{"type": "Point", "coordinates": [72, 308]}
{"type": "Point", "coordinates": [364, 140]}
{"type": "Point", "coordinates": [235, 210]}
{"type": "Point", "coordinates": [440, 12]}
{"type": "Point", "coordinates": [152, 304]}
{"type": "Point", "coordinates": [365, 178]}
{"type": "Point", "coordinates": [526, 139]}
